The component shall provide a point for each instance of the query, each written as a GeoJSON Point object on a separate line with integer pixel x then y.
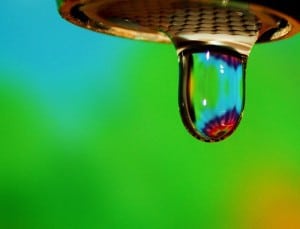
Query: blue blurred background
{"type": "Point", "coordinates": [91, 137]}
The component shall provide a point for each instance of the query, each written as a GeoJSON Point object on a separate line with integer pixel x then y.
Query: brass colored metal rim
{"type": "Point", "coordinates": [275, 25]}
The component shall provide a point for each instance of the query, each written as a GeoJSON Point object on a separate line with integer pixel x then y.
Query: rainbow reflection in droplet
{"type": "Point", "coordinates": [212, 91]}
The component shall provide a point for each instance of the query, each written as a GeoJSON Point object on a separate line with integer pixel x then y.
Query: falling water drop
{"type": "Point", "coordinates": [213, 48]}
{"type": "Point", "coordinates": [211, 91]}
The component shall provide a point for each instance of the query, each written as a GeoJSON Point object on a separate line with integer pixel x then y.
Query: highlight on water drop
{"type": "Point", "coordinates": [211, 91]}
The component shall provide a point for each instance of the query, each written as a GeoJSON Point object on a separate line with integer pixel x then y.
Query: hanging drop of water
{"type": "Point", "coordinates": [211, 91]}
{"type": "Point", "coordinates": [213, 47]}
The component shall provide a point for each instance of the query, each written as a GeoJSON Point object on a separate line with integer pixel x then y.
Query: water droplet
{"type": "Point", "coordinates": [211, 91]}
{"type": "Point", "coordinates": [213, 46]}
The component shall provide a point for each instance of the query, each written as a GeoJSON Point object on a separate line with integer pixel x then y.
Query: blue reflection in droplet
{"type": "Point", "coordinates": [212, 91]}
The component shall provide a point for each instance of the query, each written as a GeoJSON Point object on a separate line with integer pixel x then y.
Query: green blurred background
{"type": "Point", "coordinates": [91, 137]}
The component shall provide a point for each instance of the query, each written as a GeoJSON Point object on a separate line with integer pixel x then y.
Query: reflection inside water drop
{"type": "Point", "coordinates": [211, 91]}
